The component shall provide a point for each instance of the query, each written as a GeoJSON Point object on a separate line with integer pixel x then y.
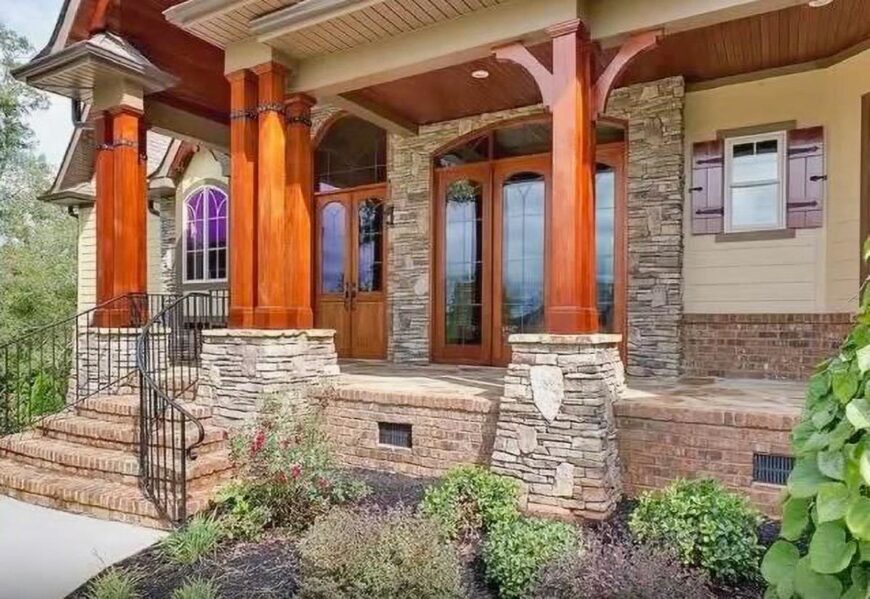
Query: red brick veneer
{"type": "Point", "coordinates": [764, 346]}
{"type": "Point", "coordinates": [658, 444]}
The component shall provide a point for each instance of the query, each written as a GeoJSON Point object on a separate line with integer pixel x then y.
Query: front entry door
{"type": "Point", "coordinates": [350, 273]}
{"type": "Point", "coordinates": [490, 268]}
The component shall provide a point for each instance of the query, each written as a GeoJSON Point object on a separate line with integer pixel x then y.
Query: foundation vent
{"type": "Point", "coordinates": [771, 469]}
{"type": "Point", "coordinates": [394, 434]}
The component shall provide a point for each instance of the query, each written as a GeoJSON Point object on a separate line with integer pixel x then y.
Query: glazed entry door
{"type": "Point", "coordinates": [351, 271]}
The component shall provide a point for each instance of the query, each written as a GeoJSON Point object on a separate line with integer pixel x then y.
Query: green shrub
{"type": "Point", "coordinates": [470, 499]}
{"type": "Point", "coordinates": [240, 519]}
{"type": "Point", "coordinates": [198, 538]}
{"type": "Point", "coordinates": [515, 550]}
{"type": "Point", "coordinates": [828, 499]}
{"type": "Point", "coordinates": [706, 525]}
{"type": "Point", "coordinates": [285, 465]}
{"type": "Point", "coordinates": [398, 554]}
{"type": "Point", "coordinates": [196, 588]}
{"type": "Point", "coordinates": [113, 584]}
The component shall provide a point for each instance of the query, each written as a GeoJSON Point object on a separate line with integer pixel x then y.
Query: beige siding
{"type": "Point", "coordinates": [817, 270]}
{"type": "Point", "coordinates": [155, 281]}
{"type": "Point", "coordinates": [87, 257]}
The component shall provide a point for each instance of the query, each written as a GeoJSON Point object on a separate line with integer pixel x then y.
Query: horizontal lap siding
{"type": "Point", "coordinates": [87, 258]}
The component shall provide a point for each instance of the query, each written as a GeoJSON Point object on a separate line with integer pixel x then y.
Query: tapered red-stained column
{"type": "Point", "coordinates": [272, 310]}
{"type": "Point", "coordinates": [300, 209]}
{"type": "Point", "coordinates": [243, 202]}
{"type": "Point", "coordinates": [121, 212]}
{"type": "Point", "coordinates": [571, 305]}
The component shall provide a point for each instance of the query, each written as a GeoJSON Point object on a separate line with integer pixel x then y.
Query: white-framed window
{"type": "Point", "coordinates": [206, 210]}
{"type": "Point", "coordinates": [755, 184]}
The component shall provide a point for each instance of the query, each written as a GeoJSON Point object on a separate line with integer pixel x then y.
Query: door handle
{"type": "Point", "coordinates": [353, 294]}
{"type": "Point", "coordinates": [347, 297]}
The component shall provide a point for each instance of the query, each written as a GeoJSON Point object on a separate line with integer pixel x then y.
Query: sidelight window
{"type": "Point", "coordinates": [205, 234]}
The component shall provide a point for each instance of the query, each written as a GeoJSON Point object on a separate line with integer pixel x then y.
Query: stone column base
{"type": "Point", "coordinates": [240, 368]}
{"type": "Point", "coordinates": [556, 429]}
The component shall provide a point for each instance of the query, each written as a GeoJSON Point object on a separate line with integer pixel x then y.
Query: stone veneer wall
{"type": "Point", "coordinates": [556, 429]}
{"type": "Point", "coordinates": [239, 369]}
{"type": "Point", "coordinates": [763, 346]}
{"type": "Point", "coordinates": [658, 444]}
{"type": "Point", "coordinates": [655, 222]}
{"type": "Point", "coordinates": [446, 431]}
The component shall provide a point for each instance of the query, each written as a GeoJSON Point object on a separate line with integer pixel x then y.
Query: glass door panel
{"type": "Point", "coordinates": [605, 208]}
{"type": "Point", "coordinates": [333, 268]}
{"type": "Point", "coordinates": [367, 297]}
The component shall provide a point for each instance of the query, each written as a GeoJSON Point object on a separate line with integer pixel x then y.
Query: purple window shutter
{"type": "Point", "coordinates": [806, 178]}
{"type": "Point", "coordinates": [708, 205]}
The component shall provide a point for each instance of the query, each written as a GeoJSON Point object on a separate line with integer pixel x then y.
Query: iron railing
{"type": "Point", "coordinates": [167, 357]}
{"type": "Point", "coordinates": [51, 369]}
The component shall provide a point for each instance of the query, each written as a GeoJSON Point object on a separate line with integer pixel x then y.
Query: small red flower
{"type": "Point", "coordinates": [322, 483]}
{"type": "Point", "coordinates": [258, 442]}
{"type": "Point", "coordinates": [296, 471]}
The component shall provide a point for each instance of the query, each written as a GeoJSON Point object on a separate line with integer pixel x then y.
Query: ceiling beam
{"type": "Point", "coordinates": [181, 124]}
{"type": "Point", "coordinates": [463, 39]}
{"type": "Point", "coordinates": [375, 114]}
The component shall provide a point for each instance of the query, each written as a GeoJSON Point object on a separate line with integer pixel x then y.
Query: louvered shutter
{"type": "Point", "coordinates": [708, 206]}
{"type": "Point", "coordinates": [806, 178]}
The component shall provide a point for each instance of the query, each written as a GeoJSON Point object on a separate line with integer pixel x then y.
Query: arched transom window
{"type": "Point", "coordinates": [206, 210]}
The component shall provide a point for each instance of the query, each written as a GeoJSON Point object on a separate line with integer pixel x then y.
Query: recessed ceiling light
{"type": "Point", "coordinates": [819, 3]}
{"type": "Point", "coordinates": [480, 74]}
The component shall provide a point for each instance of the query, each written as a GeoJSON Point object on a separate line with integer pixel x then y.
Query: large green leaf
{"type": "Point", "coordinates": [864, 466]}
{"type": "Point", "coordinates": [812, 585]}
{"type": "Point", "coordinates": [805, 478]}
{"type": "Point", "coordinates": [823, 414]}
{"type": "Point", "coordinates": [779, 562]}
{"type": "Point", "coordinates": [863, 358]}
{"type": "Point", "coordinates": [832, 464]}
{"type": "Point", "coordinates": [858, 518]}
{"type": "Point", "coordinates": [819, 385]}
{"type": "Point", "coordinates": [845, 385]}
{"type": "Point", "coordinates": [830, 552]}
{"type": "Point", "coordinates": [795, 517]}
{"type": "Point", "coordinates": [832, 501]}
{"type": "Point", "coordinates": [858, 412]}
{"type": "Point", "coordinates": [841, 433]}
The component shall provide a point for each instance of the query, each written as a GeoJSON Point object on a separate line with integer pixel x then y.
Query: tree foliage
{"type": "Point", "coordinates": [37, 241]}
{"type": "Point", "coordinates": [828, 501]}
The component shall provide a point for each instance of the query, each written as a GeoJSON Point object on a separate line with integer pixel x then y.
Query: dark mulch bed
{"type": "Point", "coordinates": [269, 568]}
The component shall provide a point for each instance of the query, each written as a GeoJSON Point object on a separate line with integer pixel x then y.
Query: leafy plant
{"type": "Point", "coordinates": [705, 524]}
{"type": "Point", "coordinates": [828, 488]}
{"type": "Point", "coordinates": [617, 569]}
{"type": "Point", "coordinates": [240, 519]}
{"type": "Point", "coordinates": [196, 588]}
{"type": "Point", "coordinates": [198, 538]}
{"type": "Point", "coordinates": [113, 584]}
{"type": "Point", "coordinates": [286, 466]}
{"type": "Point", "coordinates": [515, 550]}
{"type": "Point", "coordinates": [470, 499]}
{"type": "Point", "coordinates": [398, 554]}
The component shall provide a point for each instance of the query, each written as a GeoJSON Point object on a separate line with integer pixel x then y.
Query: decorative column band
{"type": "Point", "coordinates": [299, 119]}
{"type": "Point", "coordinates": [270, 107]}
{"type": "Point", "coordinates": [238, 115]}
{"type": "Point", "coordinates": [120, 143]}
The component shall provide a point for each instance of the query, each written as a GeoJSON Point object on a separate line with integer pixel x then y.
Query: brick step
{"type": "Point", "coordinates": [124, 437]}
{"type": "Point", "coordinates": [99, 498]}
{"type": "Point", "coordinates": [105, 464]}
{"type": "Point", "coordinates": [125, 409]}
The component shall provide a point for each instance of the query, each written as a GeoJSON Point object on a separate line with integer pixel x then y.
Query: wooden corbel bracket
{"type": "Point", "coordinates": [635, 45]}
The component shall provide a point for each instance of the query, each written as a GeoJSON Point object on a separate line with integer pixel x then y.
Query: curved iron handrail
{"type": "Point", "coordinates": [147, 379]}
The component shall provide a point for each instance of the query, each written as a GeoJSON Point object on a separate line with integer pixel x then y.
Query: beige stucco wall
{"type": "Point", "coordinates": [817, 270]}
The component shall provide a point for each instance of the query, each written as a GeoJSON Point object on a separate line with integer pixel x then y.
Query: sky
{"type": "Point", "coordinates": [35, 19]}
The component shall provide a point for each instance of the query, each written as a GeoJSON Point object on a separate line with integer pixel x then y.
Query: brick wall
{"type": "Point", "coordinates": [658, 444]}
{"type": "Point", "coordinates": [765, 346]}
{"type": "Point", "coordinates": [446, 431]}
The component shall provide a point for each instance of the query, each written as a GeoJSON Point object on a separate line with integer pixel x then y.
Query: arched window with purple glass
{"type": "Point", "coordinates": [205, 234]}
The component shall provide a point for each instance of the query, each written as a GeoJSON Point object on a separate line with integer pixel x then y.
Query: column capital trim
{"type": "Point", "coordinates": [569, 27]}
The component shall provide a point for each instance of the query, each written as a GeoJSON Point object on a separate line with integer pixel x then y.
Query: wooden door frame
{"type": "Point", "coordinates": [350, 198]}
{"type": "Point", "coordinates": [501, 170]}
{"type": "Point", "coordinates": [440, 351]}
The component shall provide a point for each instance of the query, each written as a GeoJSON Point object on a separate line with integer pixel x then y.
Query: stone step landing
{"type": "Point", "coordinates": [86, 461]}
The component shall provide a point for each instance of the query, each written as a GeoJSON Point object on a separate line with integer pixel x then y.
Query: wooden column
{"type": "Point", "coordinates": [273, 243]}
{"type": "Point", "coordinates": [121, 212]}
{"type": "Point", "coordinates": [243, 199]}
{"type": "Point", "coordinates": [300, 210]}
{"type": "Point", "coordinates": [571, 305]}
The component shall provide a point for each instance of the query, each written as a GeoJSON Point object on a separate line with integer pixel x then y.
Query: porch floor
{"type": "Point", "coordinates": [741, 395]}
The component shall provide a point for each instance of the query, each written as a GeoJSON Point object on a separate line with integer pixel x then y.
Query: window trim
{"type": "Point", "coordinates": [184, 274]}
{"type": "Point", "coordinates": [781, 154]}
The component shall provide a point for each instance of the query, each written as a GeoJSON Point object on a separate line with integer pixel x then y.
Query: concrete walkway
{"type": "Point", "coordinates": [47, 554]}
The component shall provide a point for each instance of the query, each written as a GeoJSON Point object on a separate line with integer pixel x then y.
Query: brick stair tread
{"type": "Point", "coordinates": [76, 455]}
{"type": "Point", "coordinates": [128, 405]}
{"type": "Point", "coordinates": [82, 426]}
